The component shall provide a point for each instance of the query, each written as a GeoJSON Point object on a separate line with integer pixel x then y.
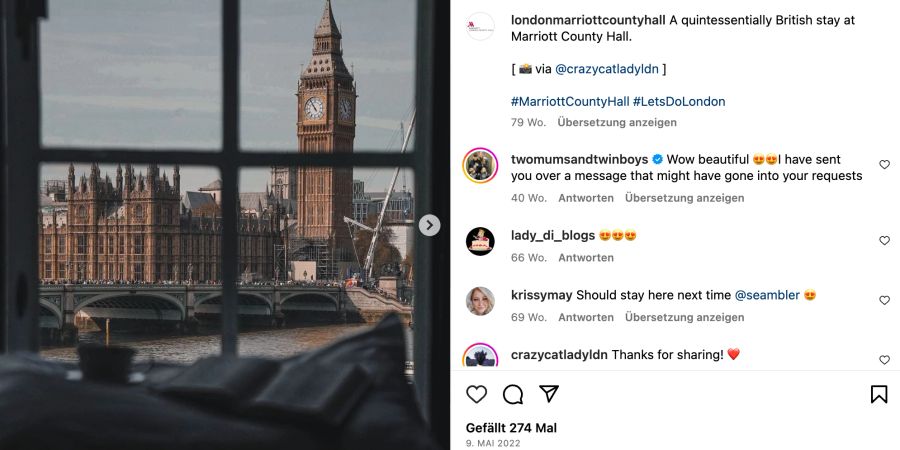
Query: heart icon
{"type": "Point", "coordinates": [734, 352]}
{"type": "Point", "coordinates": [884, 163]}
{"type": "Point", "coordinates": [884, 299]}
{"type": "Point", "coordinates": [476, 393]}
{"type": "Point", "coordinates": [884, 240]}
{"type": "Point", "coordinates": [884, 359]}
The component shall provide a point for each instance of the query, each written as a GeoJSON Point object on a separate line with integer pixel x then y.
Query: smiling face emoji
{"type": "Point", "coordinates": [630, 234]}
{"type": "Point", "coordinates": [810, 294]}
{"type": "Point", "coordinates": [605, 234]}
{"type": "Point", "coordinates": [759, 158]}
{"type": "Point", "coordinates": [771, 158]}
{"type": "Point", "coordinates": [617, 234]}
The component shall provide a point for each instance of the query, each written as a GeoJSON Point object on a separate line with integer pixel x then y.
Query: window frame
{"type": "Point", "coordinates": [20, 135]}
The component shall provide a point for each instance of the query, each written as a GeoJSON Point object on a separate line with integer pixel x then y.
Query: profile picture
{"type": "Point", "coordinates": [480, 165]}
{"type": "Point", "coordinates": [480, 241]}
{"type": "Point", "coordinates": [480, 354]}
{"type": "Point", "coordinates": [480, 26]}
{"type": "Point", "coordinates": [480, 301]}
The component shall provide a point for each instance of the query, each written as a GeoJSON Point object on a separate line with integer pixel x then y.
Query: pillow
{"type": "Point", "coordinates": [388, 416]}
{"type": "Point", "coordinates": [39, 409]}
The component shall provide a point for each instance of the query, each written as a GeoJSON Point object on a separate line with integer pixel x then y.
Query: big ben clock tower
{"type": "Point", "coordinates": [326, 123]}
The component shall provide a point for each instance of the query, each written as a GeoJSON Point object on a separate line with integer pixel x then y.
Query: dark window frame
{"type": "Point", "coordinates": [81, 244]}
{"type": "Point", "coordinates": [23, 153]}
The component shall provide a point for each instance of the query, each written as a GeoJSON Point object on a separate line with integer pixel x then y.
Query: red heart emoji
{"type": "Point", "coordinates": [734, 352]}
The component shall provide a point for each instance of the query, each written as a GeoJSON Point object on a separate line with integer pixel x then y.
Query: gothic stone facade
{"type": "Point", "coordinates": [137, 230]}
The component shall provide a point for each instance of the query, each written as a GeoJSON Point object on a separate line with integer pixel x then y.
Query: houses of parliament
{"type": "Point", "coordinates": [139, 228]}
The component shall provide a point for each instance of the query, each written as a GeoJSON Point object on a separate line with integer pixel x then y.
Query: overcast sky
{"type": "Point", "coordinates": [148, 74]}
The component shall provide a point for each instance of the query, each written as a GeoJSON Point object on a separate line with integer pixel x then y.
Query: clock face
{"type": "Point", "coordinates": [314, 108]}
{"type": "Point", "coordinates": [345, 109]}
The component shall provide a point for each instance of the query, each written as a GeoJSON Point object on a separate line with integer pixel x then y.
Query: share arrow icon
{"type": "Point", "coordinates": [549, 390]}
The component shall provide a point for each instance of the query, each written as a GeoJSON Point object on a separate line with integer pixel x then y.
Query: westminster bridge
{"type": "Point", "coordinates": [181, 305]}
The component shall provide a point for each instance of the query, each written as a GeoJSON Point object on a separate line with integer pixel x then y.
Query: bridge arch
{"type": "Point", "coordinates": [139, 306]}
{"type": "Point", "coordinates": [249, 304]}
{"type": "Point", "coordinates": [310, 301]}
{"type": "Point", "coordinates": [51, 316]}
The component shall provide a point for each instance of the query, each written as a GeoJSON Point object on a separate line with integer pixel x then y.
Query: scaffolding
{"type": "Point", "coordinates": [280, 264]}
{"type": "Point", "coordinates": [322, 251]}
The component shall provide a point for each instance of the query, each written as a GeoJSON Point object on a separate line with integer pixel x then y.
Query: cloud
{"type": "Point", "coordinates": [164, 142]}
{"type": "Point", "coordinates": [140, 102]}
{"type": "Point", "coordinates": [379, 123]}
{"type": "Point", "coordinates": [175, 105]}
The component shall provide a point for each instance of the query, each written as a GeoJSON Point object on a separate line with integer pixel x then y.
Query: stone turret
{"type": "Point", "coordinates": [176, 180]}
{"type": "Point", "coordinates": [129, 178]}
{"type": "Point", "coordinates": [70, 187]}
{"type": "Point", "coordinates": [94, 179]}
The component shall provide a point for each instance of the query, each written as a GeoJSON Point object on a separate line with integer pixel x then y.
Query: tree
{"type": "Point", "coordinates": [409, 262]}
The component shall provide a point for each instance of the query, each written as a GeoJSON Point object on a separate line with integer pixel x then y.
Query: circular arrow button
{"type": "Point", "coordinates": [429, 225]}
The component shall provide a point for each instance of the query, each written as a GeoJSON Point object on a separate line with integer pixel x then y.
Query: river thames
{"type": "Point", "coordinates": [272, 343]}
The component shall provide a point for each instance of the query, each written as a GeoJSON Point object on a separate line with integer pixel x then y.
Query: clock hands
{"type": "Point", "coordinates": [314, 108]}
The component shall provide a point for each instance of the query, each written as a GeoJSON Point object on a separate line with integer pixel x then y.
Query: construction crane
{"type": "Point", "coordinates": [370, 256]}
{"type": "Point", "coordinates": [366, 268]}
{"type": "Point", "coordinates": [350, 222]}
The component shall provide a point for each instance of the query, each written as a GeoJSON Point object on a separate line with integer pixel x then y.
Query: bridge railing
{"type": "Point", "coordinates": [388, 295]}
{"type": "Point", "coordinates": [120, 284]}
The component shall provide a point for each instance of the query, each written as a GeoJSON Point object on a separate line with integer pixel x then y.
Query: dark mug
{"type": "Point", "coordinates": [103, 364]}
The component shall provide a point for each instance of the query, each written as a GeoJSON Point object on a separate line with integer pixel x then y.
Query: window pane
{"type": "Point", "coordinates": [309, 283]}
{"type": "Point", "coordinates": [322, 76]}
{"type": "Point", "coordinates": [137, 74]}
{"type": "Point", "coordinates": [130, 249]}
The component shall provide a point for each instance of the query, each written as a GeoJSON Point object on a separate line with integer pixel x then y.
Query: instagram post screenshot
{"type": "Point", "coordinates": [422, 224]}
